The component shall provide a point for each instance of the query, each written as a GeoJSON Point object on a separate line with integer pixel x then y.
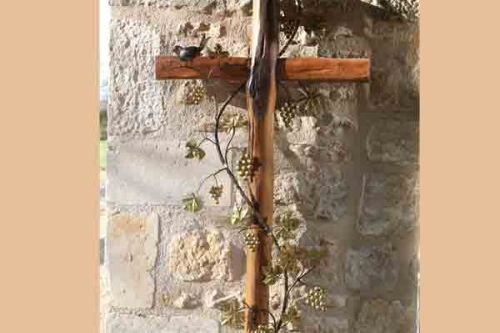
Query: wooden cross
{"type": "Point", "coordinates": [262, 71]}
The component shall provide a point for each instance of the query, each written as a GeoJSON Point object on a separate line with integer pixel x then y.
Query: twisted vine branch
{"type": "Point", "coordinates": [223, 157]}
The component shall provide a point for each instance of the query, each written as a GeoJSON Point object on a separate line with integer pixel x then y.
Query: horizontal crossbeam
{"type": "Point", "coordinates": [291, 69]}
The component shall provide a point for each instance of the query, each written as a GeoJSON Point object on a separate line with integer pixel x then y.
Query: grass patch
{"type": "Point", "coordinates": [103, 144]}
{"type": "Point", "coordinates": [103, 149]}
{"type": "Point", "coordinates": [103, 125]}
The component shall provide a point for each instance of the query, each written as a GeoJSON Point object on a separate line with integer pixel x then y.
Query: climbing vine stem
{"type": "Point", "coordinates": [298, 5]}
{"type": "Point", "coordinates": [291, 265]}
{"type": "Point", "coordinates": [224, 160]}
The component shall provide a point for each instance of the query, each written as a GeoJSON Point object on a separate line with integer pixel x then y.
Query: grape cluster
{"type": "Point", "coordinates": [251, 241]}
{"type": "Point", "coordinates": [263, 329]}
{"type": "Point", "coordinates": [193, 93]}
{"type": "Point", "coordinates": [246, 166]}
{"type": "Point", "coordinates": [288, 112]}
{"type": "Point", "coordinates": [316, 298]}
{"type": "Point", "coordinates": [216, 193]}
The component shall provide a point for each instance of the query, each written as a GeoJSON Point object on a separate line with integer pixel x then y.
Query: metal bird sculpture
{"type": "Point", "coordinates": [188, 53]}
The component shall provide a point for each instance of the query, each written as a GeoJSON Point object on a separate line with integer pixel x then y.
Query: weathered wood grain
{"type": "Point", "coordinates": [324, 69]}
{"type": "Point", "coordinates": [237, 69]}
{"type": "Point", "coordinates": [261, 100]}
{"type": "Point", "coordinates": [230, 68]}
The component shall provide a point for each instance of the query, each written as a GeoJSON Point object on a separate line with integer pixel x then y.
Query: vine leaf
{"type": "Point", "coordinates": [292, 316]}
{"type": "Point", "coordinates": [192, 203]}
{"type": "Point", "coordinates": [194, 150]}
{"type": "Point", "coordinates": [312, 102]}
{"type": "Point", "coordinates": [239, 215]}
{"type": "Point", "coordinates": [231, 122]}
{"type": "Point", "coordinates": [291, 257]}
{"type": "Point", "coordinates": [264, 329]}
{"type": "Point", "coordinates": [232, 314]}
{"type": "Point", "coordinates": [272, 274]}
{"type": "Point", "coordinates": [288, 226]}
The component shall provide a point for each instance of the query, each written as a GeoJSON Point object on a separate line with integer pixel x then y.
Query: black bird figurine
{"type": "Point", "coordinates": [188, 53]}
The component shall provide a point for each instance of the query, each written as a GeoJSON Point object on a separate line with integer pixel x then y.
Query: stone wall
{"type": "Point", "coordinates": [350, 173]}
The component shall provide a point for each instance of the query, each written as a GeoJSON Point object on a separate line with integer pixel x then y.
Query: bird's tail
{"type": "Point", "coordinates": [203, 41]}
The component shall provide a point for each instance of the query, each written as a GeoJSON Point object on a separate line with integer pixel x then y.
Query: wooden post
{"type": "Point", "coordinates": [261, 98]}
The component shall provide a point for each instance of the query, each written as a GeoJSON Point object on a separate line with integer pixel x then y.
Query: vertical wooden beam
{"type": "Point", "coordinates": [261, 99]}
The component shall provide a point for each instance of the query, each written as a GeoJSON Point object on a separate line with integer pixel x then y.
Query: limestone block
{"type": "Point", "coordinates": [395, 65]}
{"type": "Point", "coordinates": [338, 300]}
{"type": "Point", "coordinates": [217, 30]}
{"type": "Point", "coordinates": [372, 268]}
{"type": "Point", "coordinates": [140, 105]}
{"type": "Point", "coordinates": [212, 298]}
{"type": "Point", "coordinates": [380, 316]}
{"type": "Point", "coordinates": [343, 43]}
{"type": "Point", "coordinates": [331, 194]}
{"type": "Point", "coordinates": [135, 97]}
{"type": "Point", "coordinates": [308, 157]}
{"type": "Point", "coordinates": [293, 187]}
{"type": "Point", "coordinates": [304, 131]}
{"type": "Point", "coordinates": [146, 3]}
{"type": "Point", "coordinates": [220, 302]}
{"type": "Point", "coordinates": [206, 6]}
{"type": "Point", "coordinates": [321, 193]}
{"type": "Point", "coordinates": [296, 51]}
{"type": "Point", "coordinates": [156, 172]}
{"type": "Point", "coordinates": [132, 251]}
{"type": "Point", "coordinates": [192, 4]}
{"type": "Point", "coordinates": [332, 269]}
{"type": "Point", "coordinates": [105, 295]}
{"type": "Point", "coordinates": [199, 255]}
{"type": "Point", "coordinates": [313, 324]}
{"type": "Point", "coordinates": [186, 301]}
{"type": "Point", "coordinates": [129, 323]}
{"type": "Point", "coordinates": [293, 157]}
{"type": "Point", "coordinates": [393, 141]}
{"type": "Point", "coordinates": [335, 151]}
{"type": "Point", "coordinates": [304, 154]}
{"type": "Point", "coordinates": [245, 7]}
{"type": "Point", "coordinates": [388, 203]}
{"type": "Point", "coordinates": [414, 270]}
